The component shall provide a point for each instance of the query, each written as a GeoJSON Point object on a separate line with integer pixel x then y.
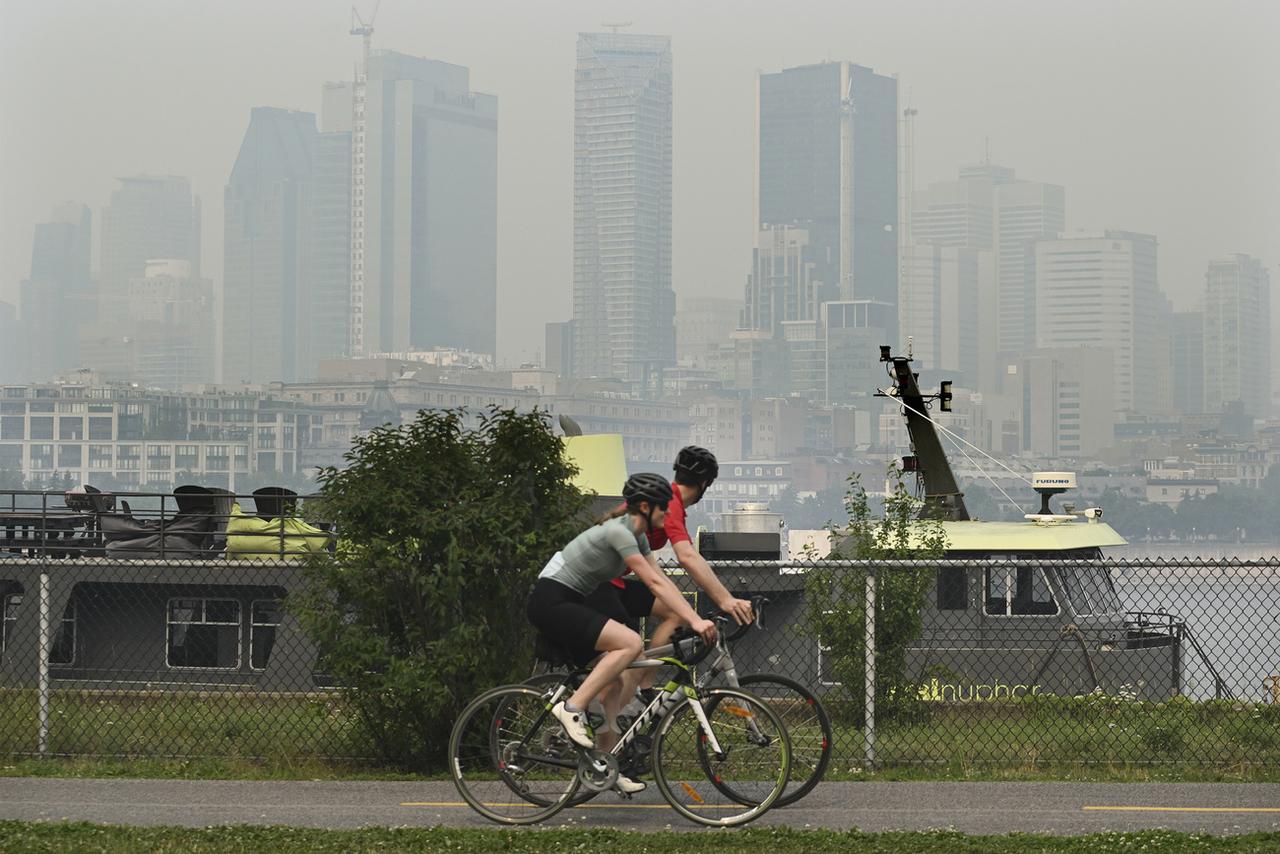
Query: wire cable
{"type": "Point", "coordinates": [957, 440]}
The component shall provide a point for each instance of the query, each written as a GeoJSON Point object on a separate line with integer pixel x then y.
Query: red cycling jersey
{"type": "Point", "coordinates": [673, 529]}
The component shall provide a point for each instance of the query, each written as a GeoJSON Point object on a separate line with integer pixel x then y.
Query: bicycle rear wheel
{"type": "Point", "coordinates": [509, 758]}
{"type": "Point", "coordinates": [808, 726]}
{"type": "Point", "coordinates": [754, 756]}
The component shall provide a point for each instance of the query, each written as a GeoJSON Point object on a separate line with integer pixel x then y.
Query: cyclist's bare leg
{"type": "Point", "coordinates": [667, 626]}
{"type": "Point", "coordinates": [611, 699]}
{"type": "Point", "coordinates": [620, 646]}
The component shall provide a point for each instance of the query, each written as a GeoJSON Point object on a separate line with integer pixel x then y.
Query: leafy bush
{"type": "Point", "coordinates": [443, 528]}
{"type": "Point", "coordinates": [836, 599]}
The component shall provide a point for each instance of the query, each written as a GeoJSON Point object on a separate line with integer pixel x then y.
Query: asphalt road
{"type": "Point", "coordinates": [977, 808]}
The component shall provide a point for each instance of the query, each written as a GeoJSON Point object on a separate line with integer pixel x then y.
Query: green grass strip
{"type": "Point", "coordinates": [80, 837]}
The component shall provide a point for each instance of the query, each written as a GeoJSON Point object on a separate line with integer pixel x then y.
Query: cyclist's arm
{"type": "Point", "coordinates": [646, 569]}
{"type": "Point", "coordinates": [702, 574]}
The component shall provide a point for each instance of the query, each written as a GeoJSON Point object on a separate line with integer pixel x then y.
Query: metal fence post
{"type": "Point", "coordinates": [869, 680]}
{"type": "Point", "coordinates": [42, 653]}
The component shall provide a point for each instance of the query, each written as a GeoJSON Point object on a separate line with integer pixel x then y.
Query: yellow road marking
{"type": "Point", "coordinates": [1180, 809]}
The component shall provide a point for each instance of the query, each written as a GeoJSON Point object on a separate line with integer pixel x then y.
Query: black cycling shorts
{"type": "Point", "coordinates": [628, 605]}
{"type": "Point", "coordinates": [563, 617]}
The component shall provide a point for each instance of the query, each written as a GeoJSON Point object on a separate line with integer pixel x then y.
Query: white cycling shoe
{"type": "Point", "coordinates": [575, 725]}
{"type": "Point", "coordinates": [627, 786]}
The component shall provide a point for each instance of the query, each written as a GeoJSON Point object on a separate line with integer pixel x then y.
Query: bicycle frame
{"type": "Point", "coordinates": [667, 700]}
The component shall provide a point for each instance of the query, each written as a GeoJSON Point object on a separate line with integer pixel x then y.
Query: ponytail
{"type": "Point", "coordinates": [620, 510]}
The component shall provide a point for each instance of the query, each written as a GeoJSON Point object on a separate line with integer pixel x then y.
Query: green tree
{"type": "Point", "coordinates": [836, 598]}
{"type": "Point", "coordinates": [443, 528]}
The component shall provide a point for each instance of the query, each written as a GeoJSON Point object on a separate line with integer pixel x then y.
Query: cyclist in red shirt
{"type": "Point", "coordinates": [627, 600]}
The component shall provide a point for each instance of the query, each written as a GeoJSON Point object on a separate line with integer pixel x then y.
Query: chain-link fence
{"type": "Point", "coordinates": [110, 648]}
{"type": "Point", "coordinates": [155, 625]}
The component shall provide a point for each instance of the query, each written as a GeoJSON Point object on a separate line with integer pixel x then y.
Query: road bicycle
{"type": "Point", "coordinates": [720, 757]}
{"type": "Point", "coordinates": [806, 720]}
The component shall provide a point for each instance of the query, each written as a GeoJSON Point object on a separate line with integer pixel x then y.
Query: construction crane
{"type": "Point", "coordinates": [906, 280]}
{"type": "Point", "coordinates": [615, 25]}
{"type": "Point", "coordinates": [359, 93]}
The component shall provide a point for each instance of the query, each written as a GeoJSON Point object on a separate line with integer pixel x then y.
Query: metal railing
{"type": "Point", "coordinates": [191, 523]}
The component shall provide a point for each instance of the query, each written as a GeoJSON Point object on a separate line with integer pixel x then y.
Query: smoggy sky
{"type": "Point", "coordinates": [1158, 116]}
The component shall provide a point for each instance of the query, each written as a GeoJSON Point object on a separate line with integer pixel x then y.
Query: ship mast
{"type": "Point", "coordinates": [942, 496]}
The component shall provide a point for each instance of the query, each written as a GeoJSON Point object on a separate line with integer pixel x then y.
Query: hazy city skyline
{"type": "Point", "coordinates": [1156, 118]}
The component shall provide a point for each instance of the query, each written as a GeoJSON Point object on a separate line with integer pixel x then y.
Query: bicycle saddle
{"type": "Point", "coordinates": [546, 650]}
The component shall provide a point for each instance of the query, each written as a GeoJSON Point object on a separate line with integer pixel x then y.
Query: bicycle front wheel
{"type": "Point", "coordinates": [741, 749]}
{"type": "Point", "coordinates": [509, 758]}
{"type": "Point", "coordinates": [808, 726]}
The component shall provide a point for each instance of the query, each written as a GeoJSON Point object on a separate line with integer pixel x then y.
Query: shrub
{"type": "Point", "coordinates": [443, 528]}
{"type": "Point", "coordinates": [836, 599]}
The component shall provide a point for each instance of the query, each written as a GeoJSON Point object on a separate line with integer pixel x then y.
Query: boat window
{"type": "Point", "coordinates": [203, 633]}
{"type": "Point", "coordinates": [1018, 591]}
{"type": "Point", "coordinates": [262, 631]}
{"type": "Point", "coordinates": [953, 588]}
{"type": "Point", "coordinates": [63, 650]}
{"type": "Point", "coordinates": [12, 601]}
{"type": "Point", "coordinates": [1090, 590]}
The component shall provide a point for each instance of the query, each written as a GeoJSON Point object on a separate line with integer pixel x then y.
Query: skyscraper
{"type": "Point", "coordinates": [623, 305]}
{"type": "Point", "coordinates": [171, 327]}
{"type": "Point", "coordinates": [10, 370]}
{"type": "Point", "coordinates": [283, 263]}
{"type": "Point", "coordinates": [1237, 335]}
{"type": "Point", "coordinates": [149, 217]}
{"type": "Point", "coordinates": [1025, 211]}
{"type": "Point", "coordinates": [1188, 367]}
{"type": "Point", "coordinates": [940, 302]}
{"type": "Point", "coordinates": [988, 209]}
{"type": "Point", "coordinates": [1100, 290]}
{"type": "Point", "coordinates": [425, 275]}
{"type": "Point", "coordinates": [55, 299]}
{"type": "Point", "coordinates": [828, 150]}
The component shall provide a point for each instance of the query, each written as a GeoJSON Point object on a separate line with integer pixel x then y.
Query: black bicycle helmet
{"type": "Point", "coordinates": [696, 464]}
{"type": "Point", "coordinates": [647, 486]}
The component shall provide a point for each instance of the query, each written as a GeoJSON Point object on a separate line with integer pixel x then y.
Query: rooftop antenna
{"type": "Point", "coordinates": [615, 25]}
{"type": "Point", "coordinates": [359, 93]}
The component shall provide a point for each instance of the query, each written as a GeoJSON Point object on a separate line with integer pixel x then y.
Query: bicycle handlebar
{"type": "Point", "coordinates": [757, 606]}
{"type": "Point", "coordinates": [684, 633]}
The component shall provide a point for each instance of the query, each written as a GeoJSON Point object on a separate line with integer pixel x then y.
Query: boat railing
{"type": "Point", "coordinates": [189, 523]}
{"type": "Point", "coordinates": [1174, 626]}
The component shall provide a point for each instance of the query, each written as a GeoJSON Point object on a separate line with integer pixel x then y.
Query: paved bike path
{"type": "Point", "coordinates": [978, 808]}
